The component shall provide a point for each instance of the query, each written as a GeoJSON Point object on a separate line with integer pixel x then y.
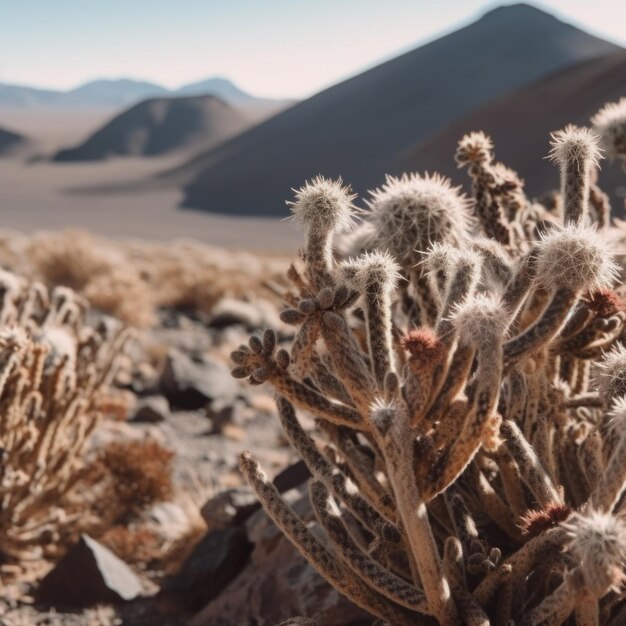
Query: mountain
{"type": "Point", "coordinates": [123, 92]}
{"type": "Point", "coordinates": [520, 124]}
{"type": "Point", "coordinates": [10, 140]}
{"type": "Point", "coordinates": [220, 87]}
{"type": "Point", "coordinates": [359, 127]}
{"type": "Point", "coordinates": [158, 126]}
{"type": "Point", "coordinates": [97, 93]}
{"type": "Point", "coordinates": [114, 93]}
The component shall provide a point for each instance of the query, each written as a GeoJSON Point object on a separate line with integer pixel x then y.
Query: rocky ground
{"type": "Point", "coordinates": [234, 566]}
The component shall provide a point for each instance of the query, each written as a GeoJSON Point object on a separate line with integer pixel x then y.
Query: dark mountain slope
{"type": "Point", "coordinates": [9, 141]}
{"type": "Point", "coordinates": [520, 125]}
{"type": "Point", "coordinates": [159, 126]}
{"type": "Point", "coordinates": [359, 127]}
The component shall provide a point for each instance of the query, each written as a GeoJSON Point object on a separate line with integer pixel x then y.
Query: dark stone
{"type": "Point", "coordinates": [152, 409]}
{"type": "Point", "coordinates": [234, 506]}
{"type": "Point", "coordinates": [214, 563]}
{"type": "Point", "coordinates": [277, 583]}
{"type": "Point", "coordinates": [190, 385]}
{"type": "Point", "coordinates": [232, 312]}
{"type": "Point", "coordinates": [89, 574]}
{"type": "Point", "coordinates": [292, 476]}
{"type": "Point", "coordinates": [229, 508]}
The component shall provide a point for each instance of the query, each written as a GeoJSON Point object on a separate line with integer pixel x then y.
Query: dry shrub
{"type": "Point", "coordinates": [189, 276]}
{"type": "Point", "coordinates": [55, 382]}
{"type": "Point", "coordinates": [77, 260]}
{"type": "Point", "coordinates": [140, 473]}
{"type": "Point", "coordinates": [134, 545]}
{"type": "Point", "coordinates": [130, 280]}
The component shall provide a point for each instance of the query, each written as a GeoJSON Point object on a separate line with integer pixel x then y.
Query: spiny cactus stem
{"type": "Point", "coordinates": [414, 515]}
{"type": "Point", "coordinates": [333, 478]}
{"type": "Point", "coordinates": [427, 299]}
{"type": "Point", "coordinates": [461, 286]}
{"type": "Point", "coordinates": [544, 329]}
{"type": "Point", "coordinates": [348, 361]}
{"type": "Point", "coordinates": [378, 319]}
{"type": "Point", "coordinates": [555, 609]}
{"type": "Point", "coordinates": [607, 492]}
{"type": "Point", "coordinates": [492, 216]}
{"type": "Point", "coordinates": [592, 458]}
{"type": "Point", "coordinates": [493, 505]}
{"type": "Point", "coordinates": [363, 472]}
{"type": "Point", "coordinates": [454, 563]}
{"type": "Point", "coordinates": [513, 488]}
{"type": "Point", "coordinates": [520, 284]}
{"type": "Point", "coordinates": [302, 347]}
{"type": "Point", "coordinates": [323, 561]}
{"type": "Point", "coordinates": [319, 257]}
{"type": "Point", "coordinates": [483, 403]}
{"type": "Point", "coordinates": [520, 564]}
{"type": "Point", "coordinates": [455, 380]}
{"type": "Point", "coordinates": [575, 190]}
{"type": "Point", "coordinates": [307, 398]}
{"type": "Point", "coordinates": [533, 474]}
{"type": "Point", "coordinates": [385, 582]}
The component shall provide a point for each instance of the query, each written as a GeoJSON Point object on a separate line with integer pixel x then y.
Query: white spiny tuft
{"type": "Point", "coordinates": [375, 270]}
{"type": "Point", "coordinates": [598, 541]}
{"type": "Point", "coordinates": [441, 257]}
{"type": "Point", "coordinates": [480, 320]}
{"type": "Point", "coordinates": [575, 145]}
{"type": "Point", "coordinates": [323, 204]}
{"type": "Point", "coordinates": [610, 375]}
{"type": "Point", "coordinates": [412, 212]}
{"type": "Point", "coordinates": [617, 416]}
{"type": "Point", "coordinates": [383, 413]}
{"type": "Point", "coordinates": [575, 257]}
{"type": "Point", "coordinates": [610, 123]}
{"type": "Point", "coordinates": [474, 147]}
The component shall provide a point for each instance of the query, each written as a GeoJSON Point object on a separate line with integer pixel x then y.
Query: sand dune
{"type": "Point", "coordinates": [358, 128]}
{"type": "Point", "coordinates": [158, 126]}
{"type": "Point", "coordinates": [520, 125]}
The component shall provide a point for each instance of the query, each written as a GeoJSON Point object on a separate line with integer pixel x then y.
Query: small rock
{"type": "Point", "coordinates": [89, 574]}
{"type": "Point", "coordinates": [277, 583]}
{"type": "Point", "coordinates": [231, 312]}
{"type": "Point", "coordinates": [214, 563]}
{"type": "Point", "coordinates": [292, 476]}
{"type": "Point", "coordinates": [151, 409]}
{"type": "Point", "coordinates": [229, 508]}
{"type": "Point", "coordinates": [233, 432]}
{"type": "Point", "coordinates": [223, 416]}
{"type": "Point", "coordinates": [171, 519]}
{"type": "Point", "coordinates": [194, 384]}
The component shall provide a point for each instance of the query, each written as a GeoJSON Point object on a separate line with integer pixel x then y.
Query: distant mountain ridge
{"type": "Point", "coordinates": [159, 126]}
{"type": "Point", "coordinates": [121, 92]}
{"type": "Point", "coordinates": [360, 127]}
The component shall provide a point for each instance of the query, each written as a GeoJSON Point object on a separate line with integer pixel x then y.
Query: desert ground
{"type": "Point", "coordinates": [37, 194]}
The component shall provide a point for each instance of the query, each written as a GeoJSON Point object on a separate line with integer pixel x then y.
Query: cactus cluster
{"type": "Point", "coordinates": [463, 360]}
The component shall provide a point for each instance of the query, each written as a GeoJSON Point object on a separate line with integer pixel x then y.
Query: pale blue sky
{"type": "Point", "coordinates": [268, 47]}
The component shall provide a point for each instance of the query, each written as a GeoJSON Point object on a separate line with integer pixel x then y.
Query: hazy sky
{"type": "Point", "coordinates": [268, 47]}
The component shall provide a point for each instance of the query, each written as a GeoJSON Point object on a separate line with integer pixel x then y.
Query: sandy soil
{"type": "Point", "coordinates": [40, 195]}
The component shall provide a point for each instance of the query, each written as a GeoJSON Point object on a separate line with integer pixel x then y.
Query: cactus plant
{"type": "Point", "coordinates": [467, 376]}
